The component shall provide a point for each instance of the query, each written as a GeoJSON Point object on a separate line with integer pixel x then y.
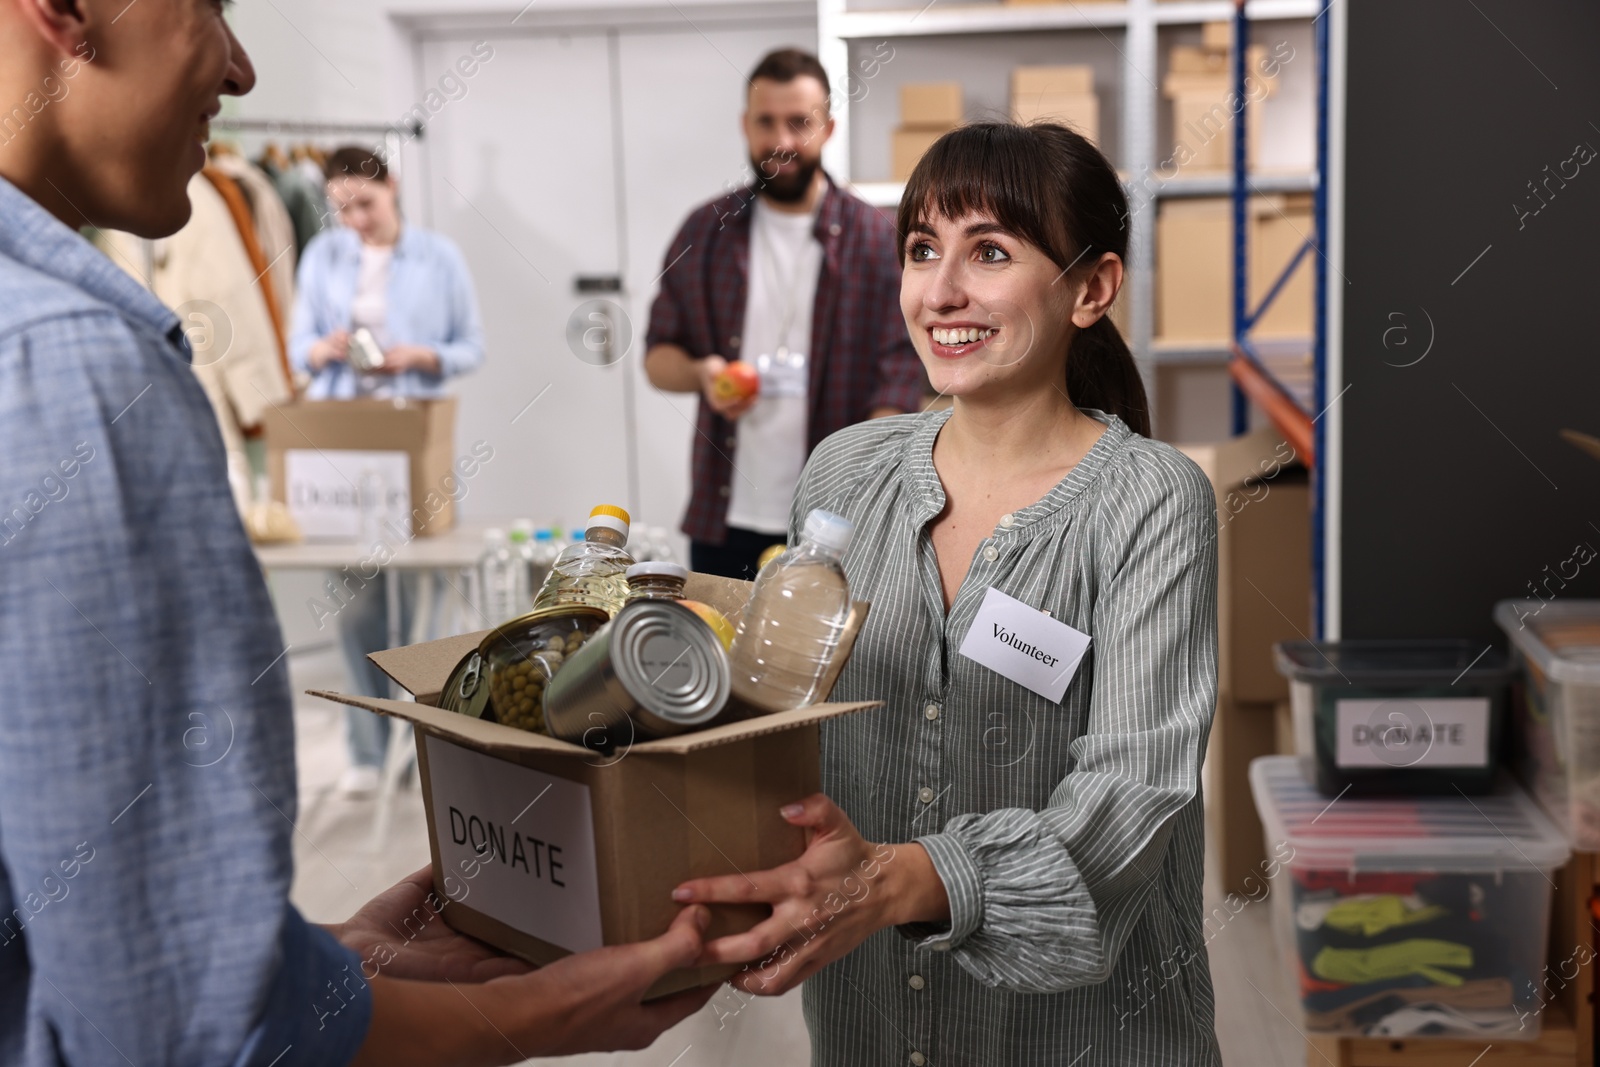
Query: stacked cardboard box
{"type": "Point", "coordinates": [1263, 596]}
{"type": "Point", "coordinates": [928, 110]}
{"type": "Point", "coordinates": [1194, 267]}
{"type": "Point", "coordinates": [1204, 111]}
{"type": "Point", "coordinates": [1057, 94]}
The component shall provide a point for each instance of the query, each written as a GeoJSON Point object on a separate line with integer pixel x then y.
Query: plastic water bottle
{"type": "Point", "coordinates": [542, 557]}
{"type": "Point", "coordinates": [505, 579]}
{"type": "Point", "coordinates": [522, 546]}
{"type": "Point", "coordinates": [790, 630]}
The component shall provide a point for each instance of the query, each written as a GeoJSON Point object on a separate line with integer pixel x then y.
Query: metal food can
{"type": "Point", "coordinates": [504, 678]}
{"type": "Point", "coordinates": [655, 670]}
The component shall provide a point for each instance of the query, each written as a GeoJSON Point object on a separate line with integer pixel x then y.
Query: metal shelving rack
{"type": "Point", "coordinates": [1295, 415]}
{"type": "Point", "coordinates": [1138, 22]}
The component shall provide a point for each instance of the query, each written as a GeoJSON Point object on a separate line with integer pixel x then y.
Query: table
{"type": "Point", "coordinates": [457, 550]}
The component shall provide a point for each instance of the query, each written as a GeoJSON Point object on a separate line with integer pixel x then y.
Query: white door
{"type": "Point", "coordinates": [520, 175]}
{"type": "Point", "coordinates": [544, 172]}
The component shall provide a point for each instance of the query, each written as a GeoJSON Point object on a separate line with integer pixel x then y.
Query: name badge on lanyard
{"type": "Point", "coordinates": [783, 373]}
{"type": "Point", "coordinates": [1025, 645]}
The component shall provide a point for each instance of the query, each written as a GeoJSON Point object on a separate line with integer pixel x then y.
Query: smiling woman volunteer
{"type": "Point", "coordinates": [1036, 898]}
{"type": "Point", "coordinates": [410, 288]}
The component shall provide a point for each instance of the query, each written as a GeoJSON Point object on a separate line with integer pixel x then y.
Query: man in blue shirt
{"type": "Point", "coordinates": [147, 781]}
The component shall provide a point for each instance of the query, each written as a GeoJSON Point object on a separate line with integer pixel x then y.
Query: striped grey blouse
{"type": "Point", "coordinates": [1069, 835]}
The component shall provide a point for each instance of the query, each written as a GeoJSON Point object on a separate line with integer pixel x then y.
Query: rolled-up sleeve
{"type": "Point", "coordinates": [147, 783]}
{"type": "Point", "coordinates": [1043, 901]}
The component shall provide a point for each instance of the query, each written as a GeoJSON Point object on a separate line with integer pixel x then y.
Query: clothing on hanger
{"type": "Point", "coordinates": [305, 201]}
{"type": "Point", "coordinates": [244, 223]}
{"type": "Point", "coordinates": [205, 274]}
{"type": "Point", "coordinates": [274, 228]}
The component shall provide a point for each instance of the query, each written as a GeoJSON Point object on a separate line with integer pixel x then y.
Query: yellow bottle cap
{"type": "Point", "coordinates": [613, 511]}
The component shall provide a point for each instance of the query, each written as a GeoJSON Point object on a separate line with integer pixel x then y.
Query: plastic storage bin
{"type": "Point", "coordinates": [1411, 916]}
{"type": "Point", "coordinates": [1388, 717]}
{"type": "Point", "coordinates": [1555, 705]}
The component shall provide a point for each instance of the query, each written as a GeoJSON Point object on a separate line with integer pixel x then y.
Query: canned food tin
{"type": "Point", "coordinates": [505, 677]}
{"type": "Point", "coordinates": [656, 665]}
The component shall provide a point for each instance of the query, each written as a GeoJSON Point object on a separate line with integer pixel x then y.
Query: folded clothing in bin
{"type": "Point", "coordinates": [1411, 916]}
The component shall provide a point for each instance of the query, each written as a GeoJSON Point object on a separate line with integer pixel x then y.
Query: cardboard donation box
{"type": "Point", "coordinates": [1199, 83]}
{"type": "Point", "coordinates": [544, 848]}
{"type": "Point", "coordinates": [356, 469]}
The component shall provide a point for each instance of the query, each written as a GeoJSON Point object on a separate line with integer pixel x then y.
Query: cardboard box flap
{"type": "Point", "coordinates": [1239, 459]}
{"type": "Point", "coordinates": [422, 670]}
{"type": "Point", "coordinates": [494, 738]}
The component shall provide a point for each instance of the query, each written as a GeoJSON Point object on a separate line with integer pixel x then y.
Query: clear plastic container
{"type": "Point", "coordinates": [656, 579]}
{"type": "Point", "coordinates": [593, 571]}
{"type": "Point", "coordinates": [505, 581]}
{"type": "Point", "coordinates": [790, 629]}
{"type": "Point", "coordinates": [1409, 917]}
{"type": "Point", "coordinates": [1555, 708]}
{"type": "Point", "coordinates": [1381, 717]}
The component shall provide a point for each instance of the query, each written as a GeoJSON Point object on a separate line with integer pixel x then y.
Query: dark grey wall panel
{"type": "Point", "coordinates": [1457, 490]}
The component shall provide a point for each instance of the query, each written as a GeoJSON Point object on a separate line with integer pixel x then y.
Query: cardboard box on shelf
{"type": "Point", "coordinates": [1029, 81]}
{"type": "Point", "coordinates": [1081, 111]}
{"type": "Point", "coordinates": [1263, 596]}
{"type": "Point", "coordinates": [1200, 88]}
{"type": "Point", "coordinates": [909, 147]}
{"type": "Point", "coordinates": [334, 463]}
{"type": "Point", "coordinates": [543, 848]}
{"type": "Point", "coordinates": [1216, 36]}
{"type": "Point", "coordinates": [1194, 267]}
{"type": "Point", "coordinates": [930, 105]}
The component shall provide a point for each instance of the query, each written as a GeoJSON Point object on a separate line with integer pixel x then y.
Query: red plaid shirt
{"type": "Point", "coordinates": [862, 357]}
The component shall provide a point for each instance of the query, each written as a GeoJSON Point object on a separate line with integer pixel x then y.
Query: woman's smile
{"type": "Point", "coordinates": [957, 339]}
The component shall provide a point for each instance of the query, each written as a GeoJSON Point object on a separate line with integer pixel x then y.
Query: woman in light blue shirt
{"type": "Point", "coordinates": [410, 288]}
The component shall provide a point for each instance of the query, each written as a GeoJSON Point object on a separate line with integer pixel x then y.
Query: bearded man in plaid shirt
{"type": "Point", "coordinates": [798, 279]}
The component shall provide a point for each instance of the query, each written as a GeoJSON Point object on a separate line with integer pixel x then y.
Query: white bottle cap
{"type": "Point", "coordinates": [523, 526]}
{"type": "Point", "coordinates": [657, 568]}
{"type": "Point", "coordinates": [828, 530]}
{"type": "Point", "coordinates": [494, 535]}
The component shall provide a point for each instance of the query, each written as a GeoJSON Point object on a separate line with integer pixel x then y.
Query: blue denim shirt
{"type": "Point", "coordinates": [147, 776]}
{"type": "Point", "coordinates": [431, 303]}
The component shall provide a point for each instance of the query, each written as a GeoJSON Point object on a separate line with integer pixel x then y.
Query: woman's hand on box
{"type": "Point", "coordinates": [401, 933]}
{"type": "Point", "coordinates": [334, 348]}
{"type": "Point", "coordinates": [841, 891]}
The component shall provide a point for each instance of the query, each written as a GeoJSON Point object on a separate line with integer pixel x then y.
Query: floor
{"type": "Point", "coordinates": [339, 865]}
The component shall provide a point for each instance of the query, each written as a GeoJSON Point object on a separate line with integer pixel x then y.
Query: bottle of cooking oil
{"type": "Point", "coordinates": [593, 571]}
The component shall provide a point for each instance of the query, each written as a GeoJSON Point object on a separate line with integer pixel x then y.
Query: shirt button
{"type": "Point", "coordinates": [931, 712]}
{"type": "Point", "coordinates": [991, 553]}
{"type": "Point", "coordinates": [733, 342]}
{"type": "Point", "coordinates": [1008, 520]}
{"type": "Point", "coordinates": [916, 981]}
{"type": "Point", "coordinates": [918, 1059]}
{"type": "Point", "coordinates": [730, 442]}
{"type": "Point", "coordinates": [723, 491]}
{"type": "Point", "coordinates": [835, 229]}
{"type": "Point", "coordinates": [940, 946]}
{"type": "Point", "coordinates": [925, 795]}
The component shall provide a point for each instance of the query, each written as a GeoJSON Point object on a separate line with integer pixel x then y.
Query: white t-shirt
{"type": "Point", "coordinates": [370, 308]}
{"type": "Point", "coordinates": [770, 444]}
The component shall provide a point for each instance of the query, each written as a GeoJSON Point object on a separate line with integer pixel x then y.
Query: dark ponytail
{"type": "Point", "coordinates": [1048, 185]}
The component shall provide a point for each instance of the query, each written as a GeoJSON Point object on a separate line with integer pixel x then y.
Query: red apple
{"type": "Point", "coordinates": [738, 381]}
